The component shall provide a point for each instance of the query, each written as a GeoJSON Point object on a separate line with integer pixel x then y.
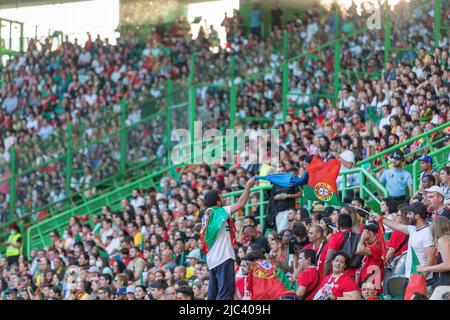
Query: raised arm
{"type": "Point", "coordinates": [391, 224]}
{"type": "Point", "coordinates": [243, 198]}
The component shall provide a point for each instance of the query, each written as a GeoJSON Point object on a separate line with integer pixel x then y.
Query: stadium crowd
{"type": "Point", "coordinates": [151, 247]}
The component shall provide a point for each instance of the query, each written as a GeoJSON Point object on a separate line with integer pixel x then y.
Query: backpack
{"type": "Point", "coordinates": [349, 246]}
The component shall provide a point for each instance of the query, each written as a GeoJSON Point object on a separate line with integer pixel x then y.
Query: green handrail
{"type": "Point", "coordinates": [409, 141]}
{"type": "Point", "coordinates": [88, 208]}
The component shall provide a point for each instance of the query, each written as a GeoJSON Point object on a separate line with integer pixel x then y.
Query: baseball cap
{"type": "Point", "coordinates": [398, 155]}
{"type": "Point", "coordinates": [426, 159]}
{"type": "Point", "coordinates": [194, 254]}
{"type": "Point", "coordinates": [121, 291]}
{"type": "Point", "coordinates": [131, 289]}
{"type": "Point", "coordinates": [417, 208]}
{"type": "Point", "coordinates": [436, 189]}
{"type": "Point", "coordinates": [94, 270]}
{"type": "Point", "coordinates": [108, 270]}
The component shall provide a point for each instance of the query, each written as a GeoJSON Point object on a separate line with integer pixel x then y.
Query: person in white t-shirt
{"type": "Point", "coordinates": [218, 236]}
{"type": "Point", "coordinates": [347, 157]}
{"type": "Point", "coordinates": [420, 241]}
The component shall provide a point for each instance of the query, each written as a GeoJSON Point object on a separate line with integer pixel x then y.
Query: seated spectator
{"type": "Point", "coordinates": [337, 285]}
{"type": "Point", "coordinates": [250, 232]}
{"type": "Point", "coordinates": [372, 267]}
{"type": "Point", "coordinates": [309, 277]}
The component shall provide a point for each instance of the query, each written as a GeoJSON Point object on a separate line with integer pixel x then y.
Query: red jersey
{"type": "Point", "coordinates": [321, 255]}
{"type": "Point", "coordinates": [310, 279]}
{"type": "Point", "coordinates": [373, 264]}
{"type": "Point", "coordinates": [399, 242]}
{"type": "Point", "coordinates": [335, 243]}
{"type": "Point", "coordinates": [336, 285]}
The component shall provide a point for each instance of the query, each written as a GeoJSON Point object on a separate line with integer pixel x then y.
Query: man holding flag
{"type": "Point", "coordinates": [218, 239]}
{"type": "Point", "coordinates": [420, 245]}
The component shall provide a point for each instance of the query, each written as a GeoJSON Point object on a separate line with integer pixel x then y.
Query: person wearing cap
{"type": "Point", "coordinates": [420, 240]}
{"type": "Point", "coordinates": [130, 292]}
{"type": "Point", "coordinates": [426, 165]}
{"type": "Point", "coordinates": [194, 257]}
{"type": "Point", "coordinates": [435, 198]}
{"type": "Point", "coordinates": [396, 180]}
{"type": "Point", "coordinates": [105, 293]}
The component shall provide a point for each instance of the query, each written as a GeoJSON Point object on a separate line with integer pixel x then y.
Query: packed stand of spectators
{"type": "Point", "coordinates": [43, 90]}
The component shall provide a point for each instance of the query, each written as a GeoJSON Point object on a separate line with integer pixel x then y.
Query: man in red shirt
{"type": "Point", "coordinates": [309, 278]}
{"type": "Point", "coordinates": [372, 268]}
{"type": "Point", "coordinates": [336, 242]}
{"type": "Point", "coordinates": [319, 245]}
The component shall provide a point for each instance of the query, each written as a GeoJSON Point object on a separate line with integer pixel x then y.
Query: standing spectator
{"type": "Point", "coordinates": [13, 244]}
{"type": "Point", "coordinates": [256, 18]}
{"type": "Point", "coordinates": [396, 180]}
{"type": "Point", "coordinates": [440, 231]}
{"type": "Point", "coordinates": [277, 14]}
{"type": "Point", "coordinates": [282, 199]}
{"type": "Point", "coordinates": [218, 240]}
{"type": "Point", "coordinates": [420, 241]}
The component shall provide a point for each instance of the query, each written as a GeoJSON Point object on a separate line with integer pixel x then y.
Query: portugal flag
{"type": "Point", "coordinates": [212, 222]}
{"type": "Point", "coordinates": [319, 182]}
{"type": "Point", "coordinates": [268, 282]}
{"type": "Point", "coordinates": [322, 181]}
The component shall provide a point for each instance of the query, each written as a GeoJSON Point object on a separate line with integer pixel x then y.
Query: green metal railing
{"type": "Point", "coordinates": [37, 235]}
{"type": "Point", "coordinates": [8, 48]}
{"type": "Point", "coordinates": [428, 145]}
{"type": "Point", "coordinates": [126, 168]}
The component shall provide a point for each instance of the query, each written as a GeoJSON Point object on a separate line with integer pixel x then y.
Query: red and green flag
{"type": "Point", "coordinates": [212, 221]}
{"type": "Point", "coordinates": [322, 181]}
{"type": "Point", "coordinates": [320, 184]}
{"type": "Point", "coordinates": [266, 281]}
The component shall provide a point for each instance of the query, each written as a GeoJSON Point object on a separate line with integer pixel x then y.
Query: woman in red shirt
{"type": "Point", "coordinates": [398, 242]}
{"type": "Point", "coordinates": [338, 285]}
